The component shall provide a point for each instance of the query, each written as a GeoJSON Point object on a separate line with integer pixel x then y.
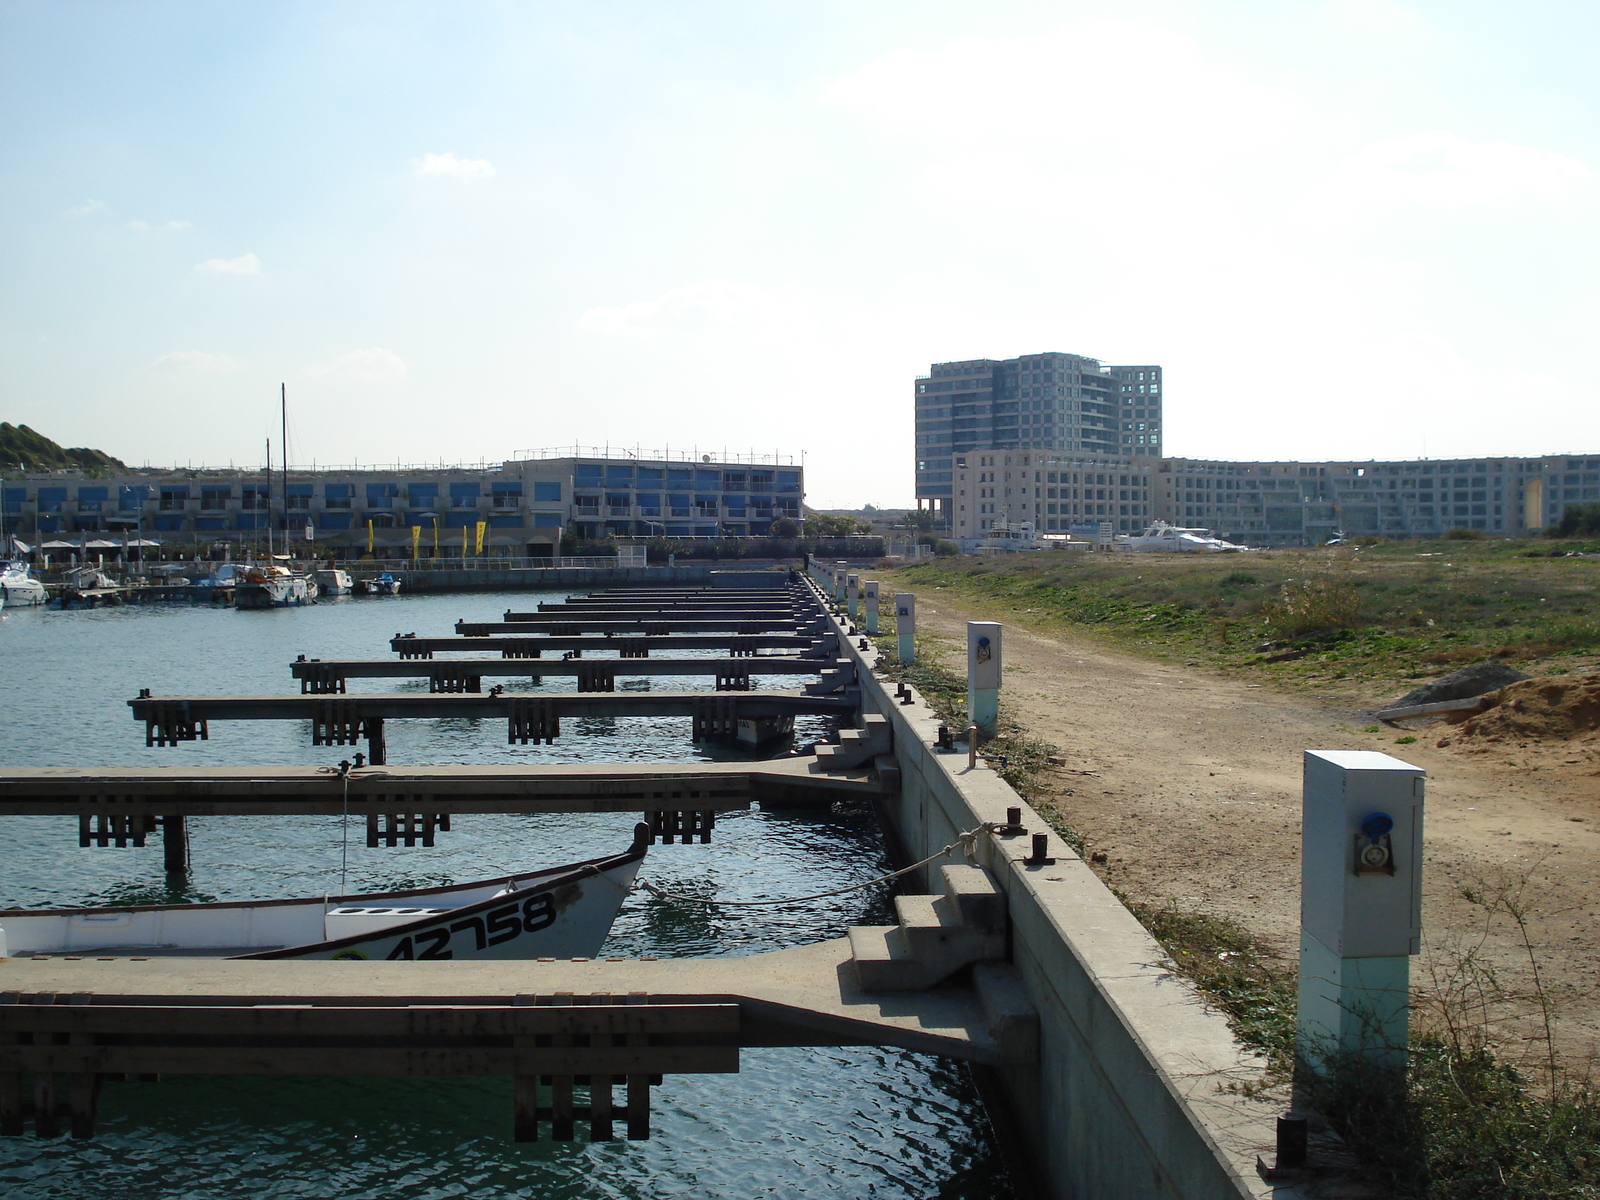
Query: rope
{"type": "Point", "coordinates": [963, 843]}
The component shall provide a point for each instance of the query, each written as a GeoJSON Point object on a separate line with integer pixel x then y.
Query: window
{"type": "Point", "coordinates": [255, 496]}
{"type": "Point", "coordinates": [507, 493]}
{"type": "Point", "coordinates": [337, 495]}
{"type": "Point", "coordinates": [465, 495]}
{"type": "Point", "coordinates": [547, 493]}
{"type": "Point", "coordinates": [214, 498]}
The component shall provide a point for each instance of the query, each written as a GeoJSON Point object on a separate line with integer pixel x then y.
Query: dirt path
{"type": "Point", "coordinates": [1190, 785]}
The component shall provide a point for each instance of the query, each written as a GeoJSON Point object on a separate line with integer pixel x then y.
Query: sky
{"type": "Point", "coordinates": [455, 231]}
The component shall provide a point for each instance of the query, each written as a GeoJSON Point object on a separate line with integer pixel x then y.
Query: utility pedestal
{"type": "Point", "coordinates": [852, 593]}
{"type": "Point", "coordinates": [869, 599]}
{"type": "Point", "coordinates": [1360, 907]}
{"type": "Point", "coordinates": [983, 676]}
{"type": "Point", "coordinates": [838, 583]}
{"type": "Point", "coordinates": [905, 626]}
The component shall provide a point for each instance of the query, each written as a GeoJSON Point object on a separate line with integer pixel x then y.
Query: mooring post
{"type": "Point", "coordinates": [377, 749]}
{"type": "Point", "coordinates": [905, 626]}
{"type": "Point", "coordinates": [869, 597]}
{"type": "Point", "coordinates": [1360, 907]}
{"type": "Point", "coordinates": [175, 844]}
{"type": "Point", "coordinates": [852, 593]}
{"type": "Point", "coordinates": [983, 676]}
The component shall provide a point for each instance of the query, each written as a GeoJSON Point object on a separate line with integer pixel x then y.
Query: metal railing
{"type": "Point", "coordinates": [693, 455]}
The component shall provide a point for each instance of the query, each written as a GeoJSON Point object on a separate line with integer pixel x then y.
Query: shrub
{"type": "Point", "coordinates": [1462, 534]}
{"type": "Point", "coordinates": [1312, 606]}
{"type": "Point", "coordinates": [1239, 579]}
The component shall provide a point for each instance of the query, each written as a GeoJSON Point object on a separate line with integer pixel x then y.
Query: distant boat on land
{"type": "Point", "coordinates": [559, 912]}
{"type": "Point", "coordinates": [1161, 537]}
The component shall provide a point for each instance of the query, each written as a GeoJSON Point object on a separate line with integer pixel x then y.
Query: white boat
{"type": "Point", "coordinates": [381, 585]}
{"type": "Point", "coordinates": [334, 582]}
{"type": "Point", "coordinates": [560, 912]}
{"type": "Point", "coordinates": [269, 587]}
{"type": "Point", "coordinates": [1163, 538]}
{"type": "Point", "coordinates": [18, 587]}
{"type": "Point", "coordinates": [1007, 537]}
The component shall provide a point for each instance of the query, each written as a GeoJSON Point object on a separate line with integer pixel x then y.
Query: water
{"type": "Point", "coordinates": [847, 1122]}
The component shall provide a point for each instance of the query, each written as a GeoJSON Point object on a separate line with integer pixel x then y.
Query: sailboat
{"type": "Point", "coordinates": [269, 585]}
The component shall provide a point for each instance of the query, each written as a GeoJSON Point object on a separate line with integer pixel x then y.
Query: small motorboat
{"type": "Point", "coordinates": [269, 587]}
{"type": "Point", "coordinates": [333, 582]}
{"type": "Point", "coordinates": [18, 587]}
{"type": "Point", "coordinates": [560, 912]}
{"type": "Point", "coordinates": [382, 585]}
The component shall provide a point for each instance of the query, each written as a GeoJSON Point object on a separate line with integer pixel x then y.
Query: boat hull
{"type": "Point", "coordinates": [287, 592]}
{"type": "Point", "coordinates": [563, 912]}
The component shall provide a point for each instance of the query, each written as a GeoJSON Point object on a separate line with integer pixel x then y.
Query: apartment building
{"type": "Point", "coordinates": [1085, 416]}
{"type": "Point", "coordinates": [523, 505]}
{"type": "Point", "coordinates": [1298, 503]}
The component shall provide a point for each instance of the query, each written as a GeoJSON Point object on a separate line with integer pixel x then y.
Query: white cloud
{"type": "Point", "coordinates": [696, 307]}
{"type": "Point", "coordinates": [163, 227]}
{"type": "Point", "coordinates": [245, 264]}
{"type": "Point", "coordinates": [87, 208]}
{"type": "Point", "coordinates": [374, 365]}
{"type": "Point", "coordinates": [199, 362]}
{"type": "Point", "coordinates": [1442, 171]}
{"type": "Point", "coordinates": [1383, 22]}
{"type": "Point", "coordinates": [448, 166]}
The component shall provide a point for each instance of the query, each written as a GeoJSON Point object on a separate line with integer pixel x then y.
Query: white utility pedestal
{"type": "Point", "coordinates": [905, 626]}
{"type": "Point", "coordinates": [1360, 905]}
{"type": "Point", "coordinates": [852, 593]}
{"type": "Point", "coordinates": [869, 599]}
{"type": "Point", "coordinates": [983, 676]}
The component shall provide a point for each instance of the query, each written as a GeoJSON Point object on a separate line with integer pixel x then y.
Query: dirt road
{"type": "Point", "coordinates": [1189, 783]}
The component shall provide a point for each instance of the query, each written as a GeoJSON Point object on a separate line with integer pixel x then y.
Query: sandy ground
{"type": "Point", "coordinates": [1189, 783]}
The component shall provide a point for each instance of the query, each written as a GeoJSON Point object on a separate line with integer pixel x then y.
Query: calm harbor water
{"type": "Point", "coordinates": [841, 1122]}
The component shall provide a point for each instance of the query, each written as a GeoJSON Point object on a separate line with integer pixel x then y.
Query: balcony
{"type": "Point", "coordinates": [586, 510]}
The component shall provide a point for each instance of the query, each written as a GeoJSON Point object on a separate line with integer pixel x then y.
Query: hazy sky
{"type": "Point", "coordinates": [455, 230]}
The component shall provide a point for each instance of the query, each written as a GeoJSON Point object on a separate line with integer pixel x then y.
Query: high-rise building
{"type": "Point", "coordinates": [1042, 412]}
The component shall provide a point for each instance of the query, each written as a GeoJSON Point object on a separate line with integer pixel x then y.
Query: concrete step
{"type": "Point", "coordinates": [973, 897]}
{"type": "Point", "coordinates": [857, 747]}
{"type": "Point", "coordinates": [934, 932]}
{"type": "Point", "coordinates": [1008, 1011]}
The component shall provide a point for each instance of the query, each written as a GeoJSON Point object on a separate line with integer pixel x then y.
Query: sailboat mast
{"type": "Point", "coordinates": [269, 501]}
{"type": "Point", "coordinates": [283, 415]}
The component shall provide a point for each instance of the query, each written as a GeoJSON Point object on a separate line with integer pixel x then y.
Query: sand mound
{"type": "Point", "coordinates": [1554, 707]}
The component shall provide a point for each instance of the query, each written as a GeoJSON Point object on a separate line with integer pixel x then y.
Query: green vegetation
{"type": "Point", "coordinates": [1578, 520]}
{"type": "Point", "coordinates": [21, 447]}
{"type": "Point", "coordinates": [1381, 615]}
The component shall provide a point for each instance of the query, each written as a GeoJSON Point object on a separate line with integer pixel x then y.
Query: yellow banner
{"type": "Point", "coordinates": [369, 537]}
{"type": "Point", "coordinates": [416, 539]}
{"type": "Point", "coordinates": [436, 537]}
{"type": "Point", "coordinates": [463, 541]}
{"type": "Point", "coordinates": [478, 546]}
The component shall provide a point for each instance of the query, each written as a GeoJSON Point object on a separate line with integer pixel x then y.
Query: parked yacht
{"type": "Point", "coordinates": [18, 587]}
{"type": "Point", "coordinates": [269, 587]}
{"type": "Point", "coordinates": [1161, 537]}
{"type": "Point", "coordinates": [333, 582]}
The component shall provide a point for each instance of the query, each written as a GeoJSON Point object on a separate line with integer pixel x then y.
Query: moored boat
{"type": "Point", "coordinates": [270, 587]}
{"type": "Point", "coordinates": [18, 587]}
{"type": "Point", "coordinates": [334, 582]}
{"type": "Point", "coordinates": [381, 585]}
{"type": "Point", "coordinates": [559, 912]}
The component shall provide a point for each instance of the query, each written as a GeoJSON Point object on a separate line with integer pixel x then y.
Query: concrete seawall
{"type": "Point", "coordinates": [1127, 1097]}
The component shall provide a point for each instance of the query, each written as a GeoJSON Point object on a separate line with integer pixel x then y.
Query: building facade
{"type": "Point", "coordinates": [1070, 445]}
{"type": "Point", "coordinates": [1297, 503]}
{"type": "Point", "coordinates": [1084, 417]}
{"type": "Point", "coordinates": [521, 507]}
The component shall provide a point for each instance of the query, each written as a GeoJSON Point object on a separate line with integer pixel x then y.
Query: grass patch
{"type": "Point", "coordinates": [1383, 615]}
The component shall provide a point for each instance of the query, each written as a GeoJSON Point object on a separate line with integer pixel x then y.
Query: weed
{"type": "Point", "coordinates": [1372, 729]}
{"type": "Point", "coordinates": [1313, 606]}
{"type": "Point", "coordinates": [1405, 741]}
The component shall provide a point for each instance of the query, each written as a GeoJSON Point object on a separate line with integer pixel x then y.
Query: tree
{"type": "Point", "coordinates": [785, 527]}
{"type": "Point", "coordinates": [1577, 520]}
{"type": "Point", "coordinates": [823, 525]}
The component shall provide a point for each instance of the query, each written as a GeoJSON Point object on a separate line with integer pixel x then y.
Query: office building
{"type": "Point", "coordinates": [524, 505]}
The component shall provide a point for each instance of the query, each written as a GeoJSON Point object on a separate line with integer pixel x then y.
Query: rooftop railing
{"type": "Point", "coordinates": [693, 455]}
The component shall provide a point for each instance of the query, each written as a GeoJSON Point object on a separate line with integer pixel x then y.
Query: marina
{"type": "Point", "coordinates": [976, 961]}
{"type": "Point", "coordinates": [599, 796]}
